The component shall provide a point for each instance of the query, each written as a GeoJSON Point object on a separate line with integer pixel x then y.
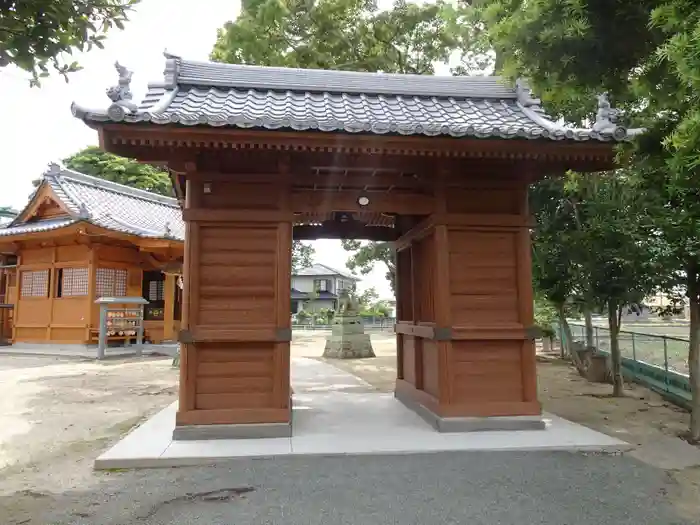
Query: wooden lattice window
{"type": "Point", "coordinates": [156, 291]}
{"type": "Point", "coordinates": [35, 283]}
{"type": "Point", "coordinates": [72, 282]}
{"type": "Point", "coordinates": [110, 282]}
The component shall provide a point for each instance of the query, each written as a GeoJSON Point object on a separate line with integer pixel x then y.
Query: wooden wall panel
{"type": "Point", "coordinates": [479, 200]}
{"type": "Point", "coordinates": [232, 195]}
{"type": "Point", "coordinates": [36, 256]}
{"type": "Point", "coordinates": [409, 358]}
{"type": "Point", "coordinates": [33, 312]}
{"type": "Point", "coordinates": [430, 368]}
{"type": "Point", "coordinates": [237, 275]}
{"type": "Point", "coordinates": [234, 375]}
{"type": "Point", "coordinates": [487, 371]}
{"type": "Point", "coordinates": [483, 277]}
{"type": "Point", "coordinates": [76, 254]}
{"type": "Point", "coordinates": [424, 279]}
{"type": "Point", "coordinates": [118, 254]}
{"type": "Point", "coordinates": [71, 310]}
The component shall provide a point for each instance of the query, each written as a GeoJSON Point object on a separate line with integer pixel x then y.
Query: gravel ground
{"type": "Point", "coordinates": [504, 488]}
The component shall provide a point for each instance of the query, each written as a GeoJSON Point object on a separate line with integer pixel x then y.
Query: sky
{"type": "Point", "coordinates": [39, 127]}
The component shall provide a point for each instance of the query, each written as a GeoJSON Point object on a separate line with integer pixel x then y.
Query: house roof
{"type": "Point", "coordinates": [243, 96]}
{"type": "Point", "coordinates": [297, 295]}
{"type": "Point", "coordinates": [105, 204]}
{"type": "Point", "coordinates": [321, 270]}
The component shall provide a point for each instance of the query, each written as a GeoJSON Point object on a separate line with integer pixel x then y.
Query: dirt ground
{"type": "Point", "coordinates": [56, 416]}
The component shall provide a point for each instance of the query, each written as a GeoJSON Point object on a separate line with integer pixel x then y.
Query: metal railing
{"type": "Point", "coordinates": [658, 361]}
{"type": "Point", "coordinates": [370, 323]}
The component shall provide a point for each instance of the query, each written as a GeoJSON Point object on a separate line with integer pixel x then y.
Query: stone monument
{"type": "Point", "coordinates": [348, 339]}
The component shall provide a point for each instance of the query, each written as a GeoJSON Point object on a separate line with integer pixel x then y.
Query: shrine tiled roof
{"type": "Point", "coordinates": [243, 96]}
{"type": "Point", "coordinates": [105, 204]}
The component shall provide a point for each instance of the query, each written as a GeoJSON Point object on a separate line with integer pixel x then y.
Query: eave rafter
{"type": "Point", "coordinates": [164, 144]}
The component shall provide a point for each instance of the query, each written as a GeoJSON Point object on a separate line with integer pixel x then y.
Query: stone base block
{"type": "Point", "coordinates": [471, 424]}
{"type": "Point", "coordinates": [247, 431]}
{"type": "Point", "coordinates": [354, 346]}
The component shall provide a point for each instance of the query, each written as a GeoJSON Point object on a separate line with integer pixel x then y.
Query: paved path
{"type": "Point", "coordinates": [470, 488]}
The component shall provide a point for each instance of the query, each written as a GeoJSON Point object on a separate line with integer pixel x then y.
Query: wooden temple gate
{"type": "Point", "coordinates": [456, 210]}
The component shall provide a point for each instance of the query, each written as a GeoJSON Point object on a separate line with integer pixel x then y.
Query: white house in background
{"type": "Point", "coordinates": [327, 284]}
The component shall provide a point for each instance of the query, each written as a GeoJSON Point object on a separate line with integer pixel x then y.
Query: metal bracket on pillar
{"type": "Point", "coordinates": [442, 333]}
{"type": "Point", "coordinates": [283, 335]}
{"type": "Point", "coordinates": [533, 332]}
{"type": "Point", "coordinates": [185, 337]}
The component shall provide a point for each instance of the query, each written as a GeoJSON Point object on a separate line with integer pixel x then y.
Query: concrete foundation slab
{"type": "Point", "coordinates": [85, 351]}
{"type": "Point", "coordinates": [471, 424]}
{"type": "Point", "coordinates": [340, 418]}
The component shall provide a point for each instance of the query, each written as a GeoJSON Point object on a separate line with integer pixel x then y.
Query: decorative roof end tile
{"type": "Point", "coordinates": [172, 69]}
{"type": "Point", "coordinates": [606, 119]}
{"type": "Point", "coordinates": [121, 95]}
{"type": "Point", "coordinates": [54, 169]}
{"type": "Point", "coordinates": [524, 94]}
{"type": "Point", "coordinates": [83, 212]}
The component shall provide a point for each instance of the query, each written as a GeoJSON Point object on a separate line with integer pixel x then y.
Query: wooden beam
{"type": "Point", "coordinates": [416, 233]}
{"type": "Point", "coordinates": [235, 215]}
{"type": "Point", "coordinates": [484, 219]}
{"type": "Point", "coordinates": [382, 180]}
{"type": "Point", "coordinates": [184, 137]}
{"type": "Point", "coordinates": [342, 231]}
{"type": "Point", "coordinates": [322, 202]}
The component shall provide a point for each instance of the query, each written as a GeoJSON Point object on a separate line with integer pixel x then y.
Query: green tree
{"type": "Point", "coordinates": [93, 161]}
{"type": "Point", "coordinates": [647, 55]}
{"type": "Point", "coordinates": [351, 35]}
{"type": "Point", "coordinates": [555, 274]}
{"type": "Point", "coordinates": [302, 256]}
{"type": "Point", "coordinates": [367, 298]}
{"type": "Point", "coordinates": [34, 34]}
{"type": "Point", "coordinates": [366, 254]}
{"type": "Point", "coordinates": [618, 258]}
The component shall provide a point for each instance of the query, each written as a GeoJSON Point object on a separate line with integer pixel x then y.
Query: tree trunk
{"type": "Point", "coordinates": [568, 337]}
{"type": "Point", "coordinates": [615, 354]}
{"type": "Point", "coordinates": [694, 357]}
{"type": "Point", "coordinates": [590, 341]}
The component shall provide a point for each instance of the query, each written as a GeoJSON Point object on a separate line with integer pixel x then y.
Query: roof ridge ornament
{"type": "Point", "coordinates": [121, 95]}
{"type": "Point", "coordinates": [606, 118]}
{"type": "Point", "coordinates": [524, 94]}
{"type": "Point", "coordinates": [54, 169]}
{"type": "Point", "coordinates": [172, 69]}
{"type": "Point", "coordinates": [83, 212]}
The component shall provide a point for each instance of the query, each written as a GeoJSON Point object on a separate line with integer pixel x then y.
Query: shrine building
{"type": "Point", "coordinates": [439, 166]}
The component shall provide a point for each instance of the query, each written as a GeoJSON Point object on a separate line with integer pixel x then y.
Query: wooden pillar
{"type": "Point", "coordinates": [53, 286]}
{"type": "Point", "coordinates": [474, 312]}
{"type": "Point", "coordinates": [236, 325]}
{"type": "Point", "coordinates": [91, 320]}
{"type": "Point", "coordinates": [526, 303]}
{"type": "Point", "coordinates": [169, 307]}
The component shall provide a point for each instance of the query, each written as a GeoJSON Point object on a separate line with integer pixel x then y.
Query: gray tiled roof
{"type": "Point", "coordinates": [108, 205]}
{"type": "Point", "coordinates": [317, 270]}
{"type": "Point", "coordinates": [213, 94]}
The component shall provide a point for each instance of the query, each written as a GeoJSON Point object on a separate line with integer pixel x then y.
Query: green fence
{"type": "Point", "coordinates": [659, 362]}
